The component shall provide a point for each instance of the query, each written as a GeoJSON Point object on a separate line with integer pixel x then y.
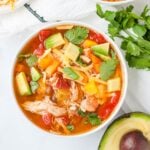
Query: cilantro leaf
{"type": "Point", "coordinates": [99, 11]}
{"type": "Point", "coordinates": [140, 62]}
{"type": "Point", "coordinates": [107, 69]}
{"type": "Point", "coordinates": [113, 30]}
{"type": "Point", "coordinates": [77, 35]}
{"type": "Point", "coordinates": [133, 49]}
{"type": "Point", "coordinates": [93, 119]}
{"type": "Point", "coordinates": [70, 127]}
{"type": "Point", "coordinates": [110, 15]}
{"type": "Point", "coordinates": [31, 60]}
{"type": "Point", "coordinates": [140, 30]}
{"type": "Point", "coordinates": [81, 113]}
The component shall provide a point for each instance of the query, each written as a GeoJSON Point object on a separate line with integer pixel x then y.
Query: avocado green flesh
{"type": "Point", "coordinates": [135, 121]}
{"type": "Point", "coordinates": [54, 41]}
{"type": "Point", "coordinates": [22, 83]}
{"type": "Point", "coordinates": [35, 74]}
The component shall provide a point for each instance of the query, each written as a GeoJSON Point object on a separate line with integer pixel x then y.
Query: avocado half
{"type": "Point", "coordinates": [124, 124]}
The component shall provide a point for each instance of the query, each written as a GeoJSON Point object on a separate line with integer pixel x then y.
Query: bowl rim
{"type": "Point", "coordinates": [123, 66]}
{"type": "Point", "coordinates": [114, 3]}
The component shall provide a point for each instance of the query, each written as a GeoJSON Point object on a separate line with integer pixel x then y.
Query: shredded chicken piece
{"type": "Point", "coordinates": [53, 80]}
{"type": "Point", "coordinates": [62, 125]}
{"type": "Point", "coordinates": [85, 59]}
{"type": "Point", "coordinates": [89, 104]}
{"type": "Point", "coordinates": [74, 91]}
{"type": "Point", "coordinates": [44, 106]}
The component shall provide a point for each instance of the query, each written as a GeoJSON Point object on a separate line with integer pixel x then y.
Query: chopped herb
{"type": "Point", "coordinates": [107, 69]}
{"type": "Point", "coordinates": [34, 86]}
{"type": "Point", "coordinates": [94, 119]}
{"type": "Point", "coordinates": [24, 55]}
{"type": "Point", "coordinates": [77, 35]}
{"type": "Point", "coordinates": [81, 113]}
{"type": "Point", "coordinates": [31, 60]}
{"type": "Point", "coordinates": [70, 127]}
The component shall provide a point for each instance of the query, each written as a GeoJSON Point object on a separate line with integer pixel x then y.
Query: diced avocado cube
{"type": "Point", "coordinates": [101, 48]}
{"type": "Point", "coordinates": [54, 40]}
{"type": "Point", "coordinates": [23, 85]}
{"type": "Point", "coordinates": [35, 75]}
{"type": "Point", "coordinates": [72, 51]}
{"type": "Point", "coordinates": [103, 57]}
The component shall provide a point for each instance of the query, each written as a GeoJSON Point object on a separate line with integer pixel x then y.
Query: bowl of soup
{"type": "Point", "coordinates": [69, 79]}
{"type": "Point", "coordinates": [114, 2]}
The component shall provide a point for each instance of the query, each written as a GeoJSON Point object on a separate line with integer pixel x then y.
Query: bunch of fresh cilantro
{"type": "Point", "coordinates": [134, 30]}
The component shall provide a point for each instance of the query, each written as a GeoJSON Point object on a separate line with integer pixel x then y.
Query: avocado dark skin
{"type": "Point", "coordinates": [134, 140]}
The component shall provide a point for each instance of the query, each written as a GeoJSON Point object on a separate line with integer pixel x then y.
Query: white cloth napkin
{"type": "Point", "coordinates": [50, 10]}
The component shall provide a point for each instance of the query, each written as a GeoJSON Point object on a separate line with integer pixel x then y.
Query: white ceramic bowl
{"type": "Point", "coordinates": [122, 62]}
{"type": "Point", "coordinates": [7, 8]}
{"type": "Point", "coordinates": [114, 3]}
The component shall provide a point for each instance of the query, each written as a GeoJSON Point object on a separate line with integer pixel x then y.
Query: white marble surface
{"type": "Point", "coordinates": [17, 133]}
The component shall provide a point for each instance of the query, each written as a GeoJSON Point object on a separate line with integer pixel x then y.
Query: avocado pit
{"type": "Point", "coordinates": [134, 140]}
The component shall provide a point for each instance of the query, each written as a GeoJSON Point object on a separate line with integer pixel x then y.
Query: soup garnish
{"type": "Point", "coordinates": [68, 79]}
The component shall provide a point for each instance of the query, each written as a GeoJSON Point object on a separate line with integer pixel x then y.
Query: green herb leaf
{"type": "Point", "coordinates": [24, 55]}
{"type": "Point", "coordinates": [140, 62]}
{"type": "Point", "coordinates": [124, 44]}
{"type": "Point", "coordinates": [110, 15]}
{"type": "Point", "coordinates": [143, 43]}
{"type": "Point", "coordinates": [93, 119]}
{"type": "Point", "coordinates": [34, 86]}
{"type": "Point", "coordinates": [77, 35]}
{"type": "Point", "coordinates": [31, 60]}
{"type": "Point", "coordinates": [99, 11]}
{"type": "Point", "coordinates": [70, 127]}
{"type": "Point", "coordinates": [133, 49]}
{"type": "Point", "coordinates": [145, 11]}
{"type": "Point", "coordinates": [71, 73]}
{"type": "Point", "coordinates": [113, 30]}
{"type": "Point", "coordinates": [81, 113]}
{"type": "Point", "coordinates": [107, 69]}
{"type": "Point", "coordinates": [129, 8]}
{"type": "Point", "coordinates": [139, 30]}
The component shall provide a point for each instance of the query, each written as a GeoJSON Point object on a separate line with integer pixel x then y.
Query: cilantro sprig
{"type": "Point", "coordinates": [108, 68]}
{"type": "Point", "coordinates": [91, 118]}
{"type": "Point", "coordinates": [134, 30]}
{"type": "Point", "coordinates": [77, 35]}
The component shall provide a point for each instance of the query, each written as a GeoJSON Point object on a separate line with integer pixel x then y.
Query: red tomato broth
{"type": "Point", "coordinates": [80, 126]}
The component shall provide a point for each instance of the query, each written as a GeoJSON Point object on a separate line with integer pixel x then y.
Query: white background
{"type": "Point", "coordinates": [17, 133]}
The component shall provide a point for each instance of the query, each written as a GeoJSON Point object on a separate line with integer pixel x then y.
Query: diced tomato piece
{"type": "Point", "coordinates": [65, 120]}
{"type": "Point", "coordinates": [106, 109]}
{"type": "Point", "coordinates": [40, 50]}
{"type": "Point", "coordinates": [35, 44]}
{"type": "Point", "coordinates": [44, 34]}
{"type": "Point", "coordinates": [47, 119]}
{"type": "Point", "coordinates": [62, 83]}
{"type": "Point", "coordinates": [97, 37]}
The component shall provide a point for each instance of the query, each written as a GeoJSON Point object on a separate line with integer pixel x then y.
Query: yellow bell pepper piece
{"type": "Point", "coordinates": [91, 88]}
{"type": "Point", "coordinates": [88, 43]}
